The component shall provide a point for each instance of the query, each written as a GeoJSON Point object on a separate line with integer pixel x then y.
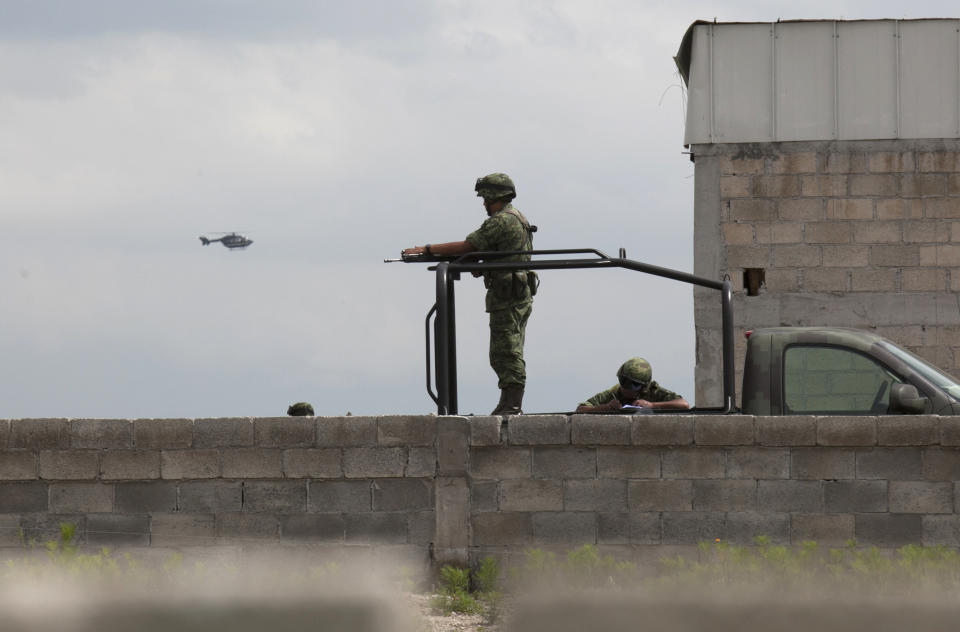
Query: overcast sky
{"type": "Point", "coordinates": [335, 134]}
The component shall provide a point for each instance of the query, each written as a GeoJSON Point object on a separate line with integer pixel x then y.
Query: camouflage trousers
{"type": "Point", "coordinates": [507, 333]}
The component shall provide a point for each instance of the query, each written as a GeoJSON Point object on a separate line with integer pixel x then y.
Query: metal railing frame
{"type": "Point", "coordinates": [445, 333]}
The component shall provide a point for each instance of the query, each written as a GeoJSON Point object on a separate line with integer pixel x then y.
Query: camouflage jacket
{"type": "Point", "coordinates": [503, 231]}
{"type": "Point", "coordinates": [654, 393]}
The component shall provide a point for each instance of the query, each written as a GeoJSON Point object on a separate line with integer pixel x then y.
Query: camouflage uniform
{"type": "Point", "coordinates": [653, 393]}
{"type": "Point", "coordinates": [636, 370]}
{"type": "Point", "coordinates": [509, 300]}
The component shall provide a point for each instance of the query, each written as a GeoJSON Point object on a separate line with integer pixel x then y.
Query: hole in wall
{"type": "Point", "coordinates": [753, 278]}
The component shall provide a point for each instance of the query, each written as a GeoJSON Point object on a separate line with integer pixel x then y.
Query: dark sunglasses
{"type": "Point", "coordinates": [634, 386]}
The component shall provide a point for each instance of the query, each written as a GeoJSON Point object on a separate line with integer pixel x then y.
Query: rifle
{"type": "Point", "coordinates": [422, 258]}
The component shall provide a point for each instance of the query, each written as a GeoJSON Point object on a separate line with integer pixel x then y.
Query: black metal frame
{"type": "Point", "coordinates": [445, 333]}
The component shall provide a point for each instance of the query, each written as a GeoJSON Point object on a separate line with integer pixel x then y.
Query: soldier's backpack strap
{"type": "Point", "coordinates": [528, 228]}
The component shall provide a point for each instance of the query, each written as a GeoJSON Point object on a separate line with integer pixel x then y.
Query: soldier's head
{"type": "Point", "coordinates": [635, 375]}
{"type": "Point", "coordinates": [496, 189]}
{"type": "Point", "coordinates": [300, 409]}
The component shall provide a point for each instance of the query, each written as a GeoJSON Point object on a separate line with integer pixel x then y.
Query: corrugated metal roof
{"type": "Point", "coordinates": [821, 80]}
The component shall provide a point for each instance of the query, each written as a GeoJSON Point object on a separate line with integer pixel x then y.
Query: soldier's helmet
{"type": "Point", "coordinates": [300, 409]}
{"type": "Point", "coordinates": [495, 186]}
{"type": "Point", "coordinates": [636, 370]}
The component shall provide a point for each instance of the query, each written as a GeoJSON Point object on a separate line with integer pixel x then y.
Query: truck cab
{"type": "Point", "coordinates": [837, 371]}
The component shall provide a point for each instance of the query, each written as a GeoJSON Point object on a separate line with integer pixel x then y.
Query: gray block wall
{"type": "Point", "coordinates": [849, 234]}
{"type": "Point", "coordinates": [450, 489]}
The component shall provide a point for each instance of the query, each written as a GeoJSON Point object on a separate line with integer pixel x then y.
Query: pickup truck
{"type": "Point", "coordinates": [836, 371]}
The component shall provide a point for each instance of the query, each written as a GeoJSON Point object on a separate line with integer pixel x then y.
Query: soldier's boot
{"type": "Point", "coordinates": [511, 399]}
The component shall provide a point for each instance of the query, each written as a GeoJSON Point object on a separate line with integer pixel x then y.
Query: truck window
{"type": "Point", "coordinates": [834, 380]}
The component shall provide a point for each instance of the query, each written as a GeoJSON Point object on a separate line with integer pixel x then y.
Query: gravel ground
{"type": "Point", "coordinates": [454, 622]}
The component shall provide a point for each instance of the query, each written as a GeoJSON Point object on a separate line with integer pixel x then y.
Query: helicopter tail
{"type": "Point", "coordinates": [205, 241]}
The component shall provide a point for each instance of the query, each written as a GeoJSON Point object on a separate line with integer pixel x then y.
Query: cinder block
{"type": "Point", "coordinates": [877, 232]}
{"type": "Point", "coordinates": [941, 464]}
{"type": "Point", "coordinates": [849, 208]}
{"type": "Point", "coordinates": [223, 433]}
{"type": "Point", "coordinates": [799, 256]}
{"type": "Point", "coordinates": [595, 495]}
{"type": "Point", "coordinates": [497, 463]}
{"type": "Point", "coordinates": [802, 162]}
{"type": "Point", "coordinates": [252, 463]}
{"type": "Point", "coordinates": [204, 497]}
{"type": "Point", "coordinates": [101, 434]}
{"type": "Point", "coordinates": [601, 430]}
{"type": "Point", "coordinates": [10, 530]}
{"type": "Point", "coordinates": [275, 496]}
{"type": "Point", "coordinates": [776, 186]}
{"type": "Point", "coordinates": [628, 528]}
{"type": "Point", "coordinates": [855, 496]}
{"type": "Point", "coordinates": [692, 463]}
{"type": "Point", "coordinates": [743, 527]}
{"type": "Point", "coordinates": [949, 428]}
{"type": "Point", "coordinates": [564, 463]}
{"type": "Point", "coordinates": [4, 433]}
{"type": "Point", "coordinates": [502, 529]}
{"type": "Point", "coordinates": [141, 498]}
{"type": "Point", "coordinates": [485, 431]}
{"type": "Point", "coordinates": [402, 494]}
{"type": "Point", "coordinates": [176, 464]}
{"type": "Point", "coordinates": [948, 161]}
{"type": "Point", "coordinates": [723, 430]}
{"type": "Point", "coordinates": [81, 498]}
{"type": "Point", "coordinates": [23, 497]}
{"type": "Point", "coordinates": [824, 529]}
{"type": "Point", "coordinates": [155, 434]}
{"type": "Point", "coordinates": [873, 185]}
{"type": "Point", "coordinates": [342, 432]}
{"type": "Point", "coordinates": [941, 530]}
{"type": "Point", "coordinates": [315, 527]}
{"type": "Point", "coordinates": [758, 463]}
{"type": "Point", "coordinates": [118, 530]}
{"type": "Point", "coordinates": [845, 163]}
{"type": "Point", "coordinates": [181, 529]}
{"type": "Point", "coordinates": [18, 465]}
{"type": "Point", "coordinates": [902, 464]}
{"type": "Point", "coordinates": [735, 186]}
{"type": "Point", "coordinates": [891, 162]}
{"type": "Point", "coordinates": [845, 256]}
{"type": "Point", "coordinates": [484, 495]}
{"type": "Point", "coordinates": [628, 463]}
{"type": "Point", "coordinates": [921, 497]}
{"type": "Point", "coordinates": [526, 494]}
{"type": "Point", "coordinates": [453, 520]}
{"type": "Point", "coordinates": [573, 528]}
{"type": "Point", "coordinates": [751, 210]}
{"type": "Point", "coordinates": [660, 495]}
{"type": "Point", "coordinates": [40, 528]}
{"type": "Point", "coordinates": [800, 210]}
{"type": "Point", "coordinates": [825, 280]}
{"type": "Point", "coordinates": [660, 430]}
{"type": "Point", "coordinates": [710, 495]}
{"type": "Point", "coordinates": [247, 527]}
{"type": "Point", "coordinates": [873, 280]}
{"type": "Point", "coordinates": [846, 431]}
{"type": "Point", "coordinates": [790, 496]}
{"type": "Point", "coordinates": [312, 463]}
{"type": "Point", "coordinates": [888, 530]}
{"type": "Point", "coordinates": [453, 450]}
{"type": "Point", "coordinates": [692, 527]}
{"type": "Point", "coordinates": [130, 464]}
{"type": "Point", "coordinates": [421, 463]}
{"type": "Point", "coordinates": [737, 234]}
{"type": "Point", "coordinates": [741, 166]}
{"type": "Point", "coordinates": [408, 431]}
{"type": "Point", "coordinates": [822, 463]}
{"type": "Point", "coordinates": [39, 434]}
{"type": "Point", "coordinates": [907, 430]}
{"type": "Point", "coordinates": [945, 207]}
{"type": "Point", "coordinates": [895, 256]}
{"type": "Point", "coordinates": [925, 232]}
{"type": "Point", "coordinates": [339, 496]}
{"type": "Point", "coordinates": [831, 232]}
{"type": "Point", "coordinates": [421, 527]}
{"type": "Point", "coordinates": [748, 256]}
{"type": "Point", "coordinates": [899, 208]}
{"type": "Point", "coordinates": [285, 432]}
{"type": "Point", "coordinates": [376, 527]}
{"type": "Point", "coordinates": [373, 462]}
{"type": "Point", "coordinates": [786, 431]}
{"type": "Point", "coordinates": [539, 430]}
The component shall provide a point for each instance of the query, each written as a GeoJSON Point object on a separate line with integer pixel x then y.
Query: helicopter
{"type": "Point", "coordinates": [229, 240]}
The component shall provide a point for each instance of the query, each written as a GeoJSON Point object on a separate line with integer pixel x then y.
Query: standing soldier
{"type": "Point", "coordinates": [509, 298]}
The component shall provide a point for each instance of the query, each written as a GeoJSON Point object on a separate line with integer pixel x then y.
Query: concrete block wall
{"type": "Point", "coordinates": [185, 482]}
{"type": "Point", "coordinates": [451, 489]}
{"type": "Point", "coordinates": [850, 234]}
